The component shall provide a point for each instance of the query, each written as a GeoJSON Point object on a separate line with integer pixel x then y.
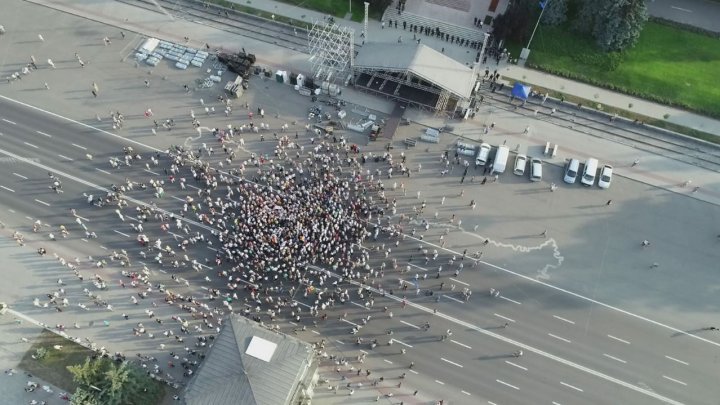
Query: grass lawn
{"type": "Point", "coordinates": [667, 65]}
{"type": "Point", "coordinates": [337, 8]}
{"type": "Point", "coordinates": [52, 368]}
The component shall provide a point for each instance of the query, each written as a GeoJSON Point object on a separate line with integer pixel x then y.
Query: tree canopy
{"type": "Point", "coordinates": [103, 381]}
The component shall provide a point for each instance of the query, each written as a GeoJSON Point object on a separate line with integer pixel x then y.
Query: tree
{"type": "Point", "coordinates": [587, 15]}
{"type": "Point", "coordinates": [103, 381]}
{"type": "Point", "coordinates": [555, 12]}
{"type": "Point", "coordinates": [619, 24]}
{"type": "Point", "coordinates": [517, 21]}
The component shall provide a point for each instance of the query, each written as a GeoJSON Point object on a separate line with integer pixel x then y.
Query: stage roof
{"type": "Point", "coordinates": [421, 61]}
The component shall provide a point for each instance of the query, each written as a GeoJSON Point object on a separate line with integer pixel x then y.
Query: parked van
{"type": "Point", "coordinates": [588, 176]}
{"type": "Point", "coordinates": [501, 157]}
{"type": "Point", "coordinates": [483, 154]}
{"type": "Point", "coordinates": [535, 169]}
{"type": "Point", "coordinates": [571, 171]}
{"type": "Point", "coordinates": [466, 149]}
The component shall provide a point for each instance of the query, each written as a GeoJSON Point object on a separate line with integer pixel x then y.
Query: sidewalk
{"type": "Point", "coordinates": [611, 98]}
{"type": "Point", "coordinates": [513, 72]}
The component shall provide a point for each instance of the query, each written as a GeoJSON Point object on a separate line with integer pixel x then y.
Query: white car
{"type": "Point", "coordinates": [535, 169]}
{"type": "Point", "coordinates": [605, 176]}
{"type": "Point", "coordinates": [520, 163]}
{"type": "Point", "coordinates": [571, 171]}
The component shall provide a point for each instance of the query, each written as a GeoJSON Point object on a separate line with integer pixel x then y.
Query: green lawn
{"type": "Point", "coordinates": [337, 8]}
{"type": "Point", "coordinates": [52, 368]}
{"type": "Point", "coordinates": [668, 65]}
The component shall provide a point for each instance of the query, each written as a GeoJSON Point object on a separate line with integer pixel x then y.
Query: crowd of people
{"type": "Point", "coordinates": [279, 227]}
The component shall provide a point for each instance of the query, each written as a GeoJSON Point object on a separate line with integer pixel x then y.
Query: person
{"type": "Point", "coordinates": [518, 353]}
{"type": "Point", "coordinates": [645, 243]}
{"type": "Point", "coordinates": [636, 162]}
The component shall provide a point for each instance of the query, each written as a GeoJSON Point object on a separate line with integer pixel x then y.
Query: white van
{"type": "Point", "coordinates": [501, 157]}
{"type": "Point", "coordinates": [466, 149]}
{"type": "Point", "coordinates": [535, 169]}
{"type": "Point", "coordinates": [483, 154]}
{"type": "Point", "coordinates": [588, 176]}
{"type": "Point", "coordinates": [571, 171]}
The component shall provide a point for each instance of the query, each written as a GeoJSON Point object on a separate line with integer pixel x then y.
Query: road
{"type": "Point", "coordinates": [699, 13]}
{"type": "Point", "coordinates": [576, 350]}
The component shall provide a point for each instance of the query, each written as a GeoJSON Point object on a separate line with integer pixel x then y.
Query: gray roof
{"type": "Point", "coordinates": [230, 376]}
{"type": "Point", "coordinates": [420, 60]}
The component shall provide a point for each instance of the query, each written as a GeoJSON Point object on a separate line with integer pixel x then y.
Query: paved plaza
{"type": "Point", "coordinates": [594, 311]}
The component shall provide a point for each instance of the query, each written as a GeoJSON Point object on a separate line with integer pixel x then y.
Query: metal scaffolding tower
{"type": "Point", "coordinates": [442, 103]}
{"type": "Point", "coordinates": [332, 49]}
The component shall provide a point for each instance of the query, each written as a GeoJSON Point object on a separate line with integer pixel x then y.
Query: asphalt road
{"type": "Point", "coordinates": [576, 350]}
{"type": "Point", "coordinates": [700, 13]}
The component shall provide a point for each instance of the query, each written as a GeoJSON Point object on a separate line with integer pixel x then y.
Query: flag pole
{"type": "Point", "coordinates": [542, 10]}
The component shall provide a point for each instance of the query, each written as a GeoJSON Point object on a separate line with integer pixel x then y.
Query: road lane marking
{"type": "Point", "coordinates": [357, 305]}
{"type": "Point", "coordinates": [21, 176]}
{"type": "Point", "coordinates": [614, 358]}
{"type": "Point", "coordinates": [339, 342]}
{"type": "Point", "coordinates": [402, 343]}
{"type": "Point", "coordinates": [461, 282]}
{"type": "Point", "coordinates": [123, 234]}
{"type": "Point", "coordinates": [451, 362]}
{"type": "Point", "coordinates": [191, 186]}
{"type": "Point", "coordinates": [292, 323]}
{"type": "Point", "coordinates": [42, 202]}
{"type": "Point", "coordinates": [79, 146]}
{"type": "Point", "coordinates": [315, 332]}
{"type": "Point", "coordinates": [179, 199]}
{"type": "Point", "coordinates": [516, 365]}
{"type": "Point", "coordinates": [152, 172]}
{"type": "Point", "coordinates": [674, 380]}
{"type": "Point", "coordinates": [571, 386]}
{"type": "Point", "coordinates": [417, 267]}
{"type": "Point", "coordinates": [409, 324]}
{"type": "Point", "coordinates": [387, 361]}
{"type": "Point", "coordinates": [505, 318]}
{"type": "Point", "coordinates": [103, 171]}
{"type": "Point", "coordinates": [413, 371]}
{"type": "Point", "coordinates": [13, 211]}
{"type": "Point", "coordinates": [508, 299]}
{"type": "Point", "coordinates": [8, 189]}
{"type": "Point", "coordinates": [44, 134]}
{"type": "Point", "coordinates": [439, 382]}
{"type": "Point", "coordinates": [65, 157]}
{"type": "Point", "coordinates": [563, 319]}
{"type": "Point", "coordinates": [103, 247]}
{"type": "Point", "coordinates": [9, 122]}
{"type": "Point", "coordinates": [302, 303]}
{"type": "Point", "coordinates": [681, 9]}
{"type": "Point", "coordinates": [351, 323]}
{"type": "Point", "coordinates": [559, 338]}
{"type": "Point", "coordinates": [508, 385]}
{"type": "Point", "coordinates": [618, 339]}
{"type": "Point", "coordinates": [466, 393]}
{"type": "Point", "coordinates": [363, 351]}
{"type": "Point", "coordinates": [453, 298]}
{"type": "Point", "coordinates": [461, 344]}
{"type": "Point", "coordinates": [427, 310]}
{"type": "Point", "coordinates": [29, 144]}
{"type": "Point", "coordinates": [84, 240]}
{"type": "Point", "coordinates": [679, 361]}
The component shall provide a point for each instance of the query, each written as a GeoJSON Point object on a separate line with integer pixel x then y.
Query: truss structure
{"type": "Point", "coordinates": [332, 49]}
